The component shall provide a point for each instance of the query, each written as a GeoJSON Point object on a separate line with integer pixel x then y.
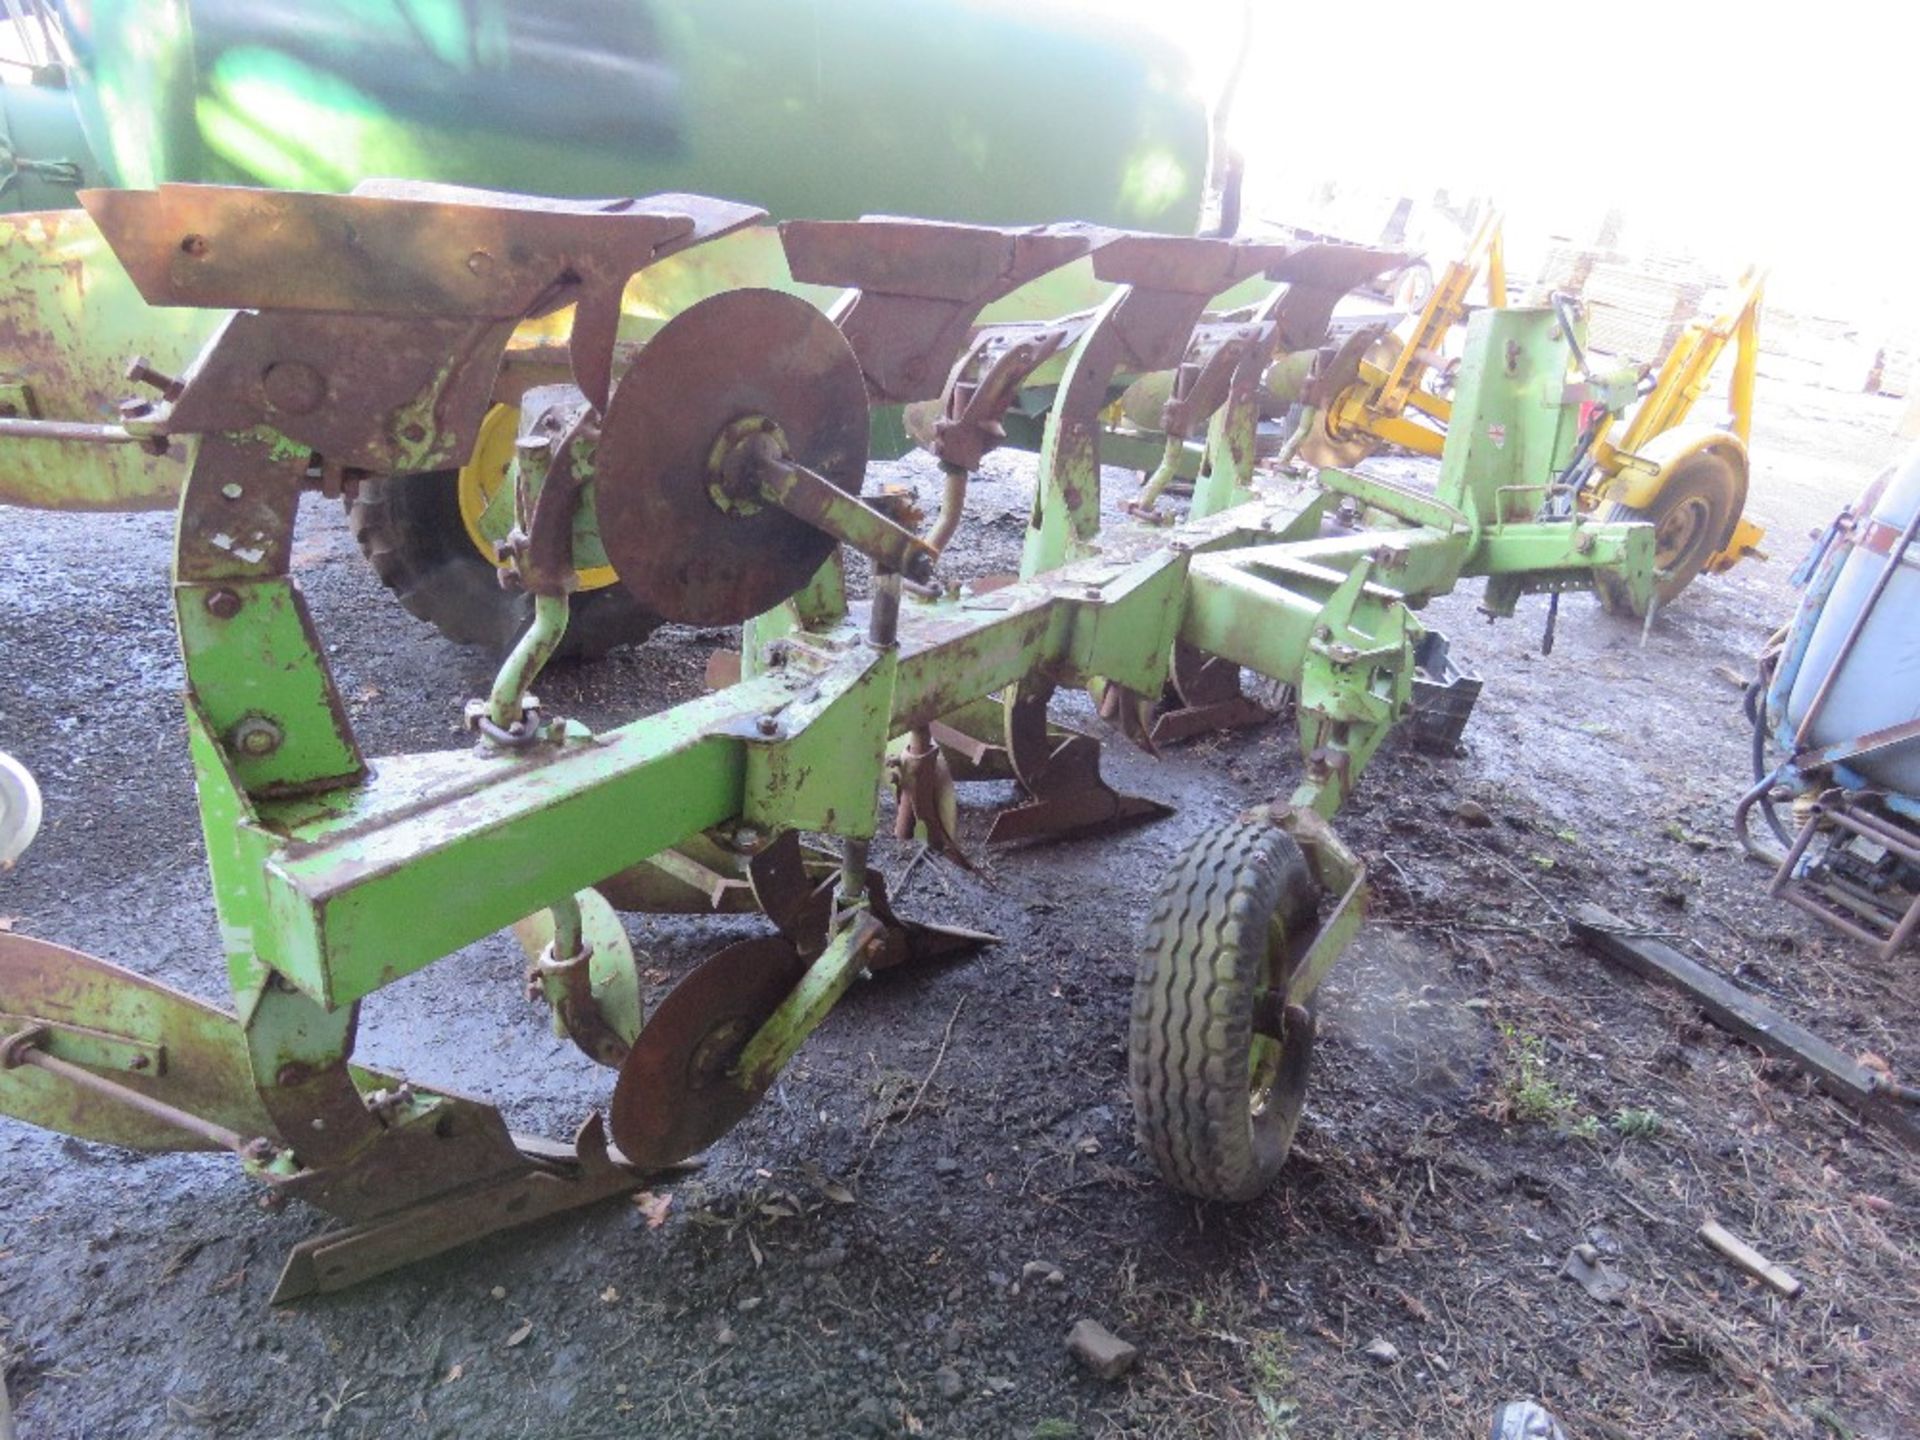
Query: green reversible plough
{"type": "Point", "coordinates": [722, 475]}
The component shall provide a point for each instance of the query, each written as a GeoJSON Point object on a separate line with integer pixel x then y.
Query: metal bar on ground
{"type": "Point", "coordinates": [1740, 1013]}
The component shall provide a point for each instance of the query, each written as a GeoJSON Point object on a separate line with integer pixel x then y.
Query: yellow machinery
{"type": "Point", "coordinates": [1688, 481]}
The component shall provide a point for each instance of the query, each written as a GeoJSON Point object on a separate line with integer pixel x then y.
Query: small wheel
{"type": "Point", "coordinates": [411, 529]}
{"type": "Point", "coordinates": [1412, 286]}
{"type": "Point", "coordinates": [1216, 1101]}
{"type": "Point", "coordinates": [1691, 517]}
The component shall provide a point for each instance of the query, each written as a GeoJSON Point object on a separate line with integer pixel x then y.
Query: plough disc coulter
{"type": "Point", "coordinates": [722, 475]}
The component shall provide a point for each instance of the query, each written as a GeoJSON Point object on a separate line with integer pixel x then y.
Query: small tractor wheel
{"type": "Point", "coordinates": [410, 528]}
{"type": "Point", "coordinates": [1216, 1101]}
{"type": "Point", "coordinates": [1692, 517]}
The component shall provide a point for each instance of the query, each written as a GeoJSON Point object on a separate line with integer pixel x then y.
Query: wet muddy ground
{"type": "Point", "coordinates": [853, 1259]}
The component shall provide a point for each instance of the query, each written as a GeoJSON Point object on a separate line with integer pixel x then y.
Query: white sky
{"type": "Point", "coordinates": [1764, 131]}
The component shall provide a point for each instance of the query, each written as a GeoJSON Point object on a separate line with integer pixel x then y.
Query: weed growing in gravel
{"type": "Point", "coordinates": [1632, 1124]}
{"type": "Point", "coordinates": [1052, 1429]}
{"type": "Point", "coordinates": [1272, 1370]}
{"type": "Point", "coordinates": [1531, 1093]}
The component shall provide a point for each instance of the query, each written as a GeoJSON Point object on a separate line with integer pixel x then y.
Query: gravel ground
{"type": "Point", "coordinates": [853, 1259]}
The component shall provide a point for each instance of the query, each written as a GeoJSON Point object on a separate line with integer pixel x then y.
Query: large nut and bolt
{"type": "Point", "coordinates": [255, 736]}
{"type": "Point", "coordinates": [223, 604]}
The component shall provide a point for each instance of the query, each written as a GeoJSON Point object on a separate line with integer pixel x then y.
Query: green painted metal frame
{"type": "Point", "coordinates": [334, 878]}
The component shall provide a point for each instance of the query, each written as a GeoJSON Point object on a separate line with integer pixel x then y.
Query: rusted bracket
{"type": "Point", "coordinates": [1339, 872]}
{"type": "Point", "coordinates": [394, 248]}
{"type": "Point", "coordinates": [545, 553]}
{"type": "Point", "coordinates": [985, 381]}
{"type": "Point", "coordinates": [920, 285]}
{"type": "Point", "coordinates": [537, 1179]}
{"type": "Point", "coordinates": [1205, 374]}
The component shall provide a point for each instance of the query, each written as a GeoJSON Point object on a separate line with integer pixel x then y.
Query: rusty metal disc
{"type": "Point", "coordinates": [674, 1096]}
{"type": "Point", "coordinates": [682, 553]}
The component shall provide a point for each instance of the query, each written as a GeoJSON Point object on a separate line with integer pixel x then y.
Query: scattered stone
{"type": "Point", "coordinates": [1595, 1276]}
{"type": "Point", "coordinates": [499, 1292]}
{"type": "Point", "coordinates": [1383, 1352]}
{"type": "Point", "coordinates": [724, 1335]}
{"type": "Point", "coordinates": [1100, 1350]}
{"type": "Point", "coordinates": [748, 1304]}
{"type": "Point", "coordinates": [1045, 1271]}
{"type": "Point", "coordinates": [946, 1167]}
{"type": "Point", "coordinates": [828, 1259]}
{"type": "Point", "coordinates": [948, 1382]}
{"type": "Point", "coordinates": [1524, 1420]}
{"type": "Point", "coordinates": [1473, 814]}
{"type": "Point", "coordinates": [998, 1279]}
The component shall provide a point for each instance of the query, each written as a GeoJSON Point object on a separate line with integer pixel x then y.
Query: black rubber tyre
{"type": "Point", "coordinates": [1214, 1104]}
{"type": "Point", "coordinates": [1692, 517]}
{"type": "Point", "coordinates": [410, 530]}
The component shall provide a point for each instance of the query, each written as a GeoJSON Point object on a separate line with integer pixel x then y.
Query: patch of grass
{"type": "Point", "coordinates": [1631, 1124]}
{"type": "Point", "coordinates": [1531, 1093]}
{"type": "Point", "coordinates": [1053, 1429]}
{"type": "Point", "coordinates": [1271, 1370]}
{"type": "Point", "coordinates": [1587, 1127]}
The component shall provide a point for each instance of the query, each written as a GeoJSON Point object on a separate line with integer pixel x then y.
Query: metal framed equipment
{"type": "Point", "coordinates": [1838, 696]}
{"type": "Point", "coordinates": [723, 475]}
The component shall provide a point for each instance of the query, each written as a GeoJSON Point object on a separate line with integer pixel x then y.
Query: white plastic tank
{"type": "Point", "coordinates": [1878, 684]}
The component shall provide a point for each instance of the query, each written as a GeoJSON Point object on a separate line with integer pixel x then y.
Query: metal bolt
{"type": "Point", "coordinates": [767, 725]}
{"type": "Point", "coordinates": [256, 736]}
{"type": "Point", "coordinates": [141, 373]}
{"type": "Point", "coordinates": [139, 1062]}
{"type": "Point", "coordinates": [223, 604]}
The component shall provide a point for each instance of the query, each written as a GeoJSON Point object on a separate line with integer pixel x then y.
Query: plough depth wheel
{"type": "Point", "coordinates": [1218, 1066]}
